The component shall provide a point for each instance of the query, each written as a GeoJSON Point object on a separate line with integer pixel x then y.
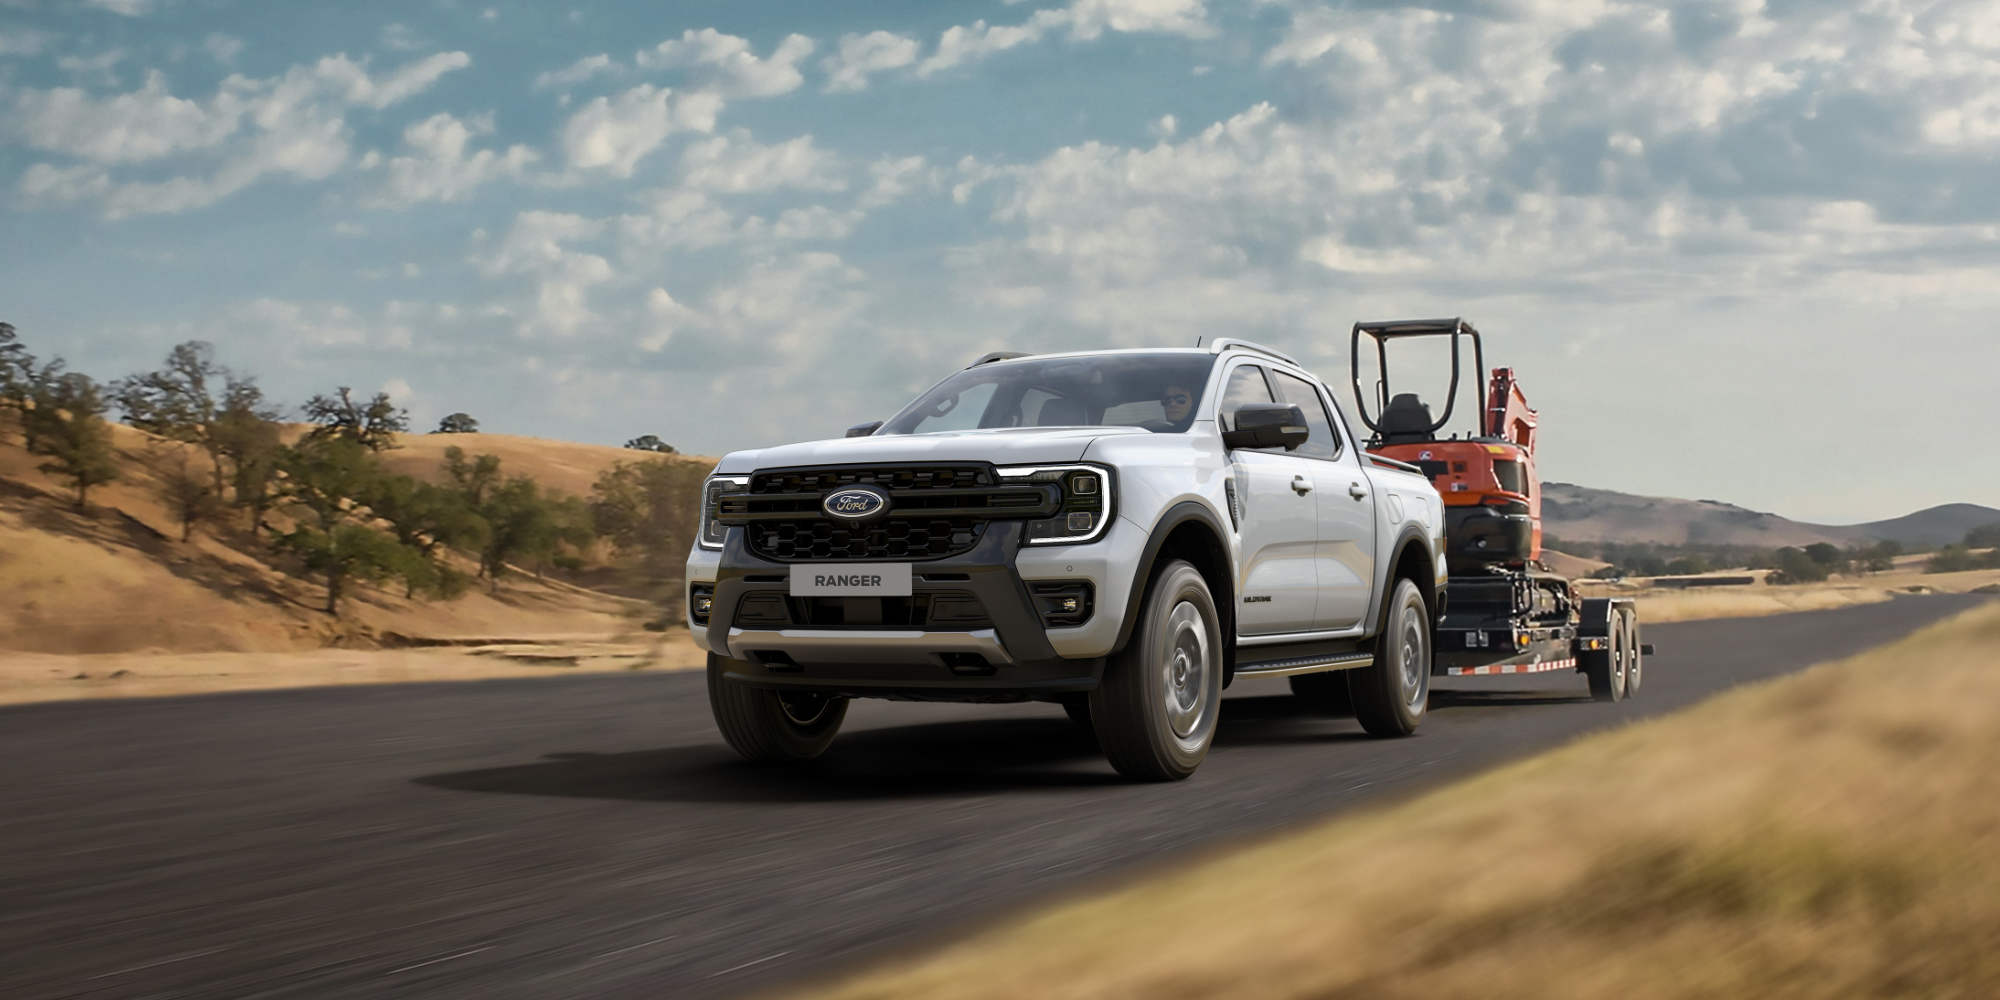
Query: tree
{"type": "Point", "coordinates": [36, 384]}
{"type": "Point", "coordinates": [427, 520]}
{"type": "Point", "coordinates": [650, 442]}
{"type": "Point", "coordinates": [1987, 537]}
{"type": "Point", "coordinates": [474, 478]}
{"type": "Point", "coordinates": [1796, 566]}
{"type": "Point", "coordinates": [520, 525]}
{"type": "Point", "coordinates": [335, 535]}
{"type": "Point", "coordinates": [184, 489]}
{"type": "Point", "coordinates": [181, 400]}
{"type": "Point", "coordinates": [458, 423]}
{"type": "Point", "coordinates": [373, 425]}
{"type": "Point", "coordinates": [649, 510]}
{"type": "Point", "coordinates": [66, 424]}
{"type": "Point", "coordinates": [17, 367]}
{"type": "Point", "coordinates": [246, 433]}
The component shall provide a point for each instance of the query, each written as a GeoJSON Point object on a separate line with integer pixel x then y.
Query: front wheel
{"type": "Point", "coordinates": [1156, 708]}
{"type": "Point", "coordinates": [766, 725]}
{"type": "Point", "coordinates": [1392, 694]}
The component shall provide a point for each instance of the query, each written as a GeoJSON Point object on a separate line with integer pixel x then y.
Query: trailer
{"type": "Point", "coordinates": [1505, 611]}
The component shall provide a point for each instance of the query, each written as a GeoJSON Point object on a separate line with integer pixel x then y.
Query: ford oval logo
{"type": "Point", "coordinates": [855, 504]}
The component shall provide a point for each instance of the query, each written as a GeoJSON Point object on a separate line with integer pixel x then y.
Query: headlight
{"type": "Point", "coordinates": [1085, 509]}
{"type": "Point", "coordinates": [713, 531]}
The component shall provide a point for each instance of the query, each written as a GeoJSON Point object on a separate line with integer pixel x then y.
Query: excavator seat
{"type": "Point", "coordinates": [1406, 420]}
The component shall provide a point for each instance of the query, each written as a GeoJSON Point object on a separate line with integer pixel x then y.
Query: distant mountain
{"type": "Point", "coordinates": [1580, 513]}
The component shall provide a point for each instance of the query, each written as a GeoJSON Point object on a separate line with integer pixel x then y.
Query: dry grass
{"type": "Point", "coordinates": [1658, 605]}
{"type": "Point", "coordinates": [1827, 834]}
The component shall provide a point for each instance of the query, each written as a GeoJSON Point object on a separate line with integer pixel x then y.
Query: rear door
{"type": "Point", "coordinates": [1278, 522]}
{"type": "Point", "coordinates": [1344, 558]}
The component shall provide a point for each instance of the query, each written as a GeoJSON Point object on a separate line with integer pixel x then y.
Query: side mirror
{"type": "Point", "coordinates": [863, 430]}
{"type": "Point", "coordinates": [1266, 425]}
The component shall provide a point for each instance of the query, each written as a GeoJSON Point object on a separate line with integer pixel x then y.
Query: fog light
{"type": "Point", "coordinates": [701, 603]}
{"type": "Point", "coordinates": [1062, 605]}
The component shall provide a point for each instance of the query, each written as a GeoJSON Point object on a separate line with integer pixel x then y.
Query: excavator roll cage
{"type": "Point", "coordinates": [1383, 332]}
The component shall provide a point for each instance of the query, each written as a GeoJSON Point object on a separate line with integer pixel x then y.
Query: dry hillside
{"type": "Point", "coordinates": [118, 579]}
{"type": "Point", "coordinates": [1581, 513]}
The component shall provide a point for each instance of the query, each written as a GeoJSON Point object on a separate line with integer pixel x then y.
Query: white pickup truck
{"type": "Point", "coordinates": [1121, 532]}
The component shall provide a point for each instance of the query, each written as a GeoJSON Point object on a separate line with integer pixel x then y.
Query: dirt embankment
{"type": "Point", "coordinates": [1828, 834]}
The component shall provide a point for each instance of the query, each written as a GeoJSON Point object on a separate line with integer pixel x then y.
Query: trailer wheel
{"type": "Point", "coordinates": [1606, 670]}
{"type": "Point", "coordinates": [1634, 650]}
{"type": "Point", "coordinates": [1390, 695]}
{"type": "Point", "coordinates": [1324, 693]}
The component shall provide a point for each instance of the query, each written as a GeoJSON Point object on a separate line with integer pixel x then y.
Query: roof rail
{"type": "Point", "coordinates": [993, 356]}
{"type": "Point", "coordinates": [1221, 344]}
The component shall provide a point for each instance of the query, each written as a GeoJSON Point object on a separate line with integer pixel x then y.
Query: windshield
{"type": "Point", "coordinates": [1159, 392]}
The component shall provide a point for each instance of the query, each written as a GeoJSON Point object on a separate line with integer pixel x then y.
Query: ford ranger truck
{"type": "Point", "coordinates": [1120, 532]}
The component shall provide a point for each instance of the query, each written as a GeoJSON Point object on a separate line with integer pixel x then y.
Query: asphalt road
{"type": "Point", "coordinates": [591, 836]}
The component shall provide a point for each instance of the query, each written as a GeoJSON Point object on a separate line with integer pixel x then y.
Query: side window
{"type": "Point", "coordinates": [1246, 385]}
{"type": "Point", "coordinates": [1322, 442]}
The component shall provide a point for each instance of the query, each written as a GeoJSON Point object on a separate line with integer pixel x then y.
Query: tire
{"type": "Point", "coordinates": [1634, 669]}
{"type": "Point", "coordinates": [1324, 693]}
{"type": "Point", "coordinates": [1606, 670]}
{"type": "Point", "coordinates": [1392, 694]}
{"type": "Point", "coordinates": [766, 725]}
{"type": "Point", "coordinates": [1155, 710]}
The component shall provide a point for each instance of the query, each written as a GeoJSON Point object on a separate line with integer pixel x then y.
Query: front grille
{"type": "Point", "coordinates": [889, 538]}
{"type": "Point", "coordinates": [945, 609]}
{"type": "Point", "coordinates": [935, 511]}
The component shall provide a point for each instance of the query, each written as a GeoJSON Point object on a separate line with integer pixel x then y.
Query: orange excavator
{"type": "Point", "coordinates": [1492, 496]}
{"type": "Point", "coordinates": [1506, 612]}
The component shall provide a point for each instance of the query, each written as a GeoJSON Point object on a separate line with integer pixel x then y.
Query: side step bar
{"type": "Point", "coordinates": [1304, 664]}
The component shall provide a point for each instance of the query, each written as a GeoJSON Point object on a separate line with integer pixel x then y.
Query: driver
{"type": "Point", "coordinates": [1175, 401]}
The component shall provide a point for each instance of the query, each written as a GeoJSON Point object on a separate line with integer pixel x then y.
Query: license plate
{"type": "Point", "coordinates": [844, 580]}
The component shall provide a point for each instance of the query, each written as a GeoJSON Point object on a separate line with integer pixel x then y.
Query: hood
{"type": "Point", "coordinates": [1001, 446]}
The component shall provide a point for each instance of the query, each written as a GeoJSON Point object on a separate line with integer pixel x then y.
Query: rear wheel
{"type": "Point", "coordinates": [1155, 710]}
{"type": "Point", "coordinates": [1392, 694]}
{"type": "Point", "coordinates": [767, 725]}
{"type": "Point", "coordinates": [1606, 670]}
{"type": "Point", "coordinates": [1324, 693]}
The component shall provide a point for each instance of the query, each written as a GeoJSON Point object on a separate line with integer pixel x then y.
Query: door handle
{"type": "Point", "coordinates": [1357, 491]}
{"type": "Point", "coordinates": [1302, 485]}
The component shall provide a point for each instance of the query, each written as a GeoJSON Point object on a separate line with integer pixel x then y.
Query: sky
{"type": "Point", "coordinates": [1735, 250]}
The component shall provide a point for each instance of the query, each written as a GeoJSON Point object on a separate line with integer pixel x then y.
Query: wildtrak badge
{"type": "Point", "coordinates": [866, 580]}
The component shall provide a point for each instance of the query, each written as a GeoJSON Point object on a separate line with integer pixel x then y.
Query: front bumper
{"type": "Point", "coordinates": [1014, 655]}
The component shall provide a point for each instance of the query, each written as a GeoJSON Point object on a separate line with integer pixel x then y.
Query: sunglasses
{"type": "Point", "coordinates": [1172, 398]}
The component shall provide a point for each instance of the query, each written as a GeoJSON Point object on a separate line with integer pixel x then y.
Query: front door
{"type": "Point", "coordinates": [1278, 523]}
{"type": "Point", "coordinates": [1345, 557]}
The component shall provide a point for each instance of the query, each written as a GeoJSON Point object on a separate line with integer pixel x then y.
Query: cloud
{"type": "Point", "coordinates": [97, 69]}
{"type": "Point", "coordinates": [291, 124]}
{"type": "Point", "coordinates": [400, 37]}
{"type": "Point", "coordinates": [225, 48]}
{"type": "Point", "coordinates": [726, 65]}
{"type": "Point", "coordinates": [1082, 20]}
{"type": "Point", "coordinates": [860, 56]}
{"type": "Point", "coordinates": [614, 134]}
{"type": "Point", "coordinates": [127, 8]}
{"type": "Point", "coordinates": [736, 163]}
{"type": "Point", "coordinates": [24, 42]}
{"type": "Point", "coordinates": [536, 246]}
{"type": "Point", "coordinates": [438, 166]}
{"type": "Point", "coordinates": [576, 72]}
